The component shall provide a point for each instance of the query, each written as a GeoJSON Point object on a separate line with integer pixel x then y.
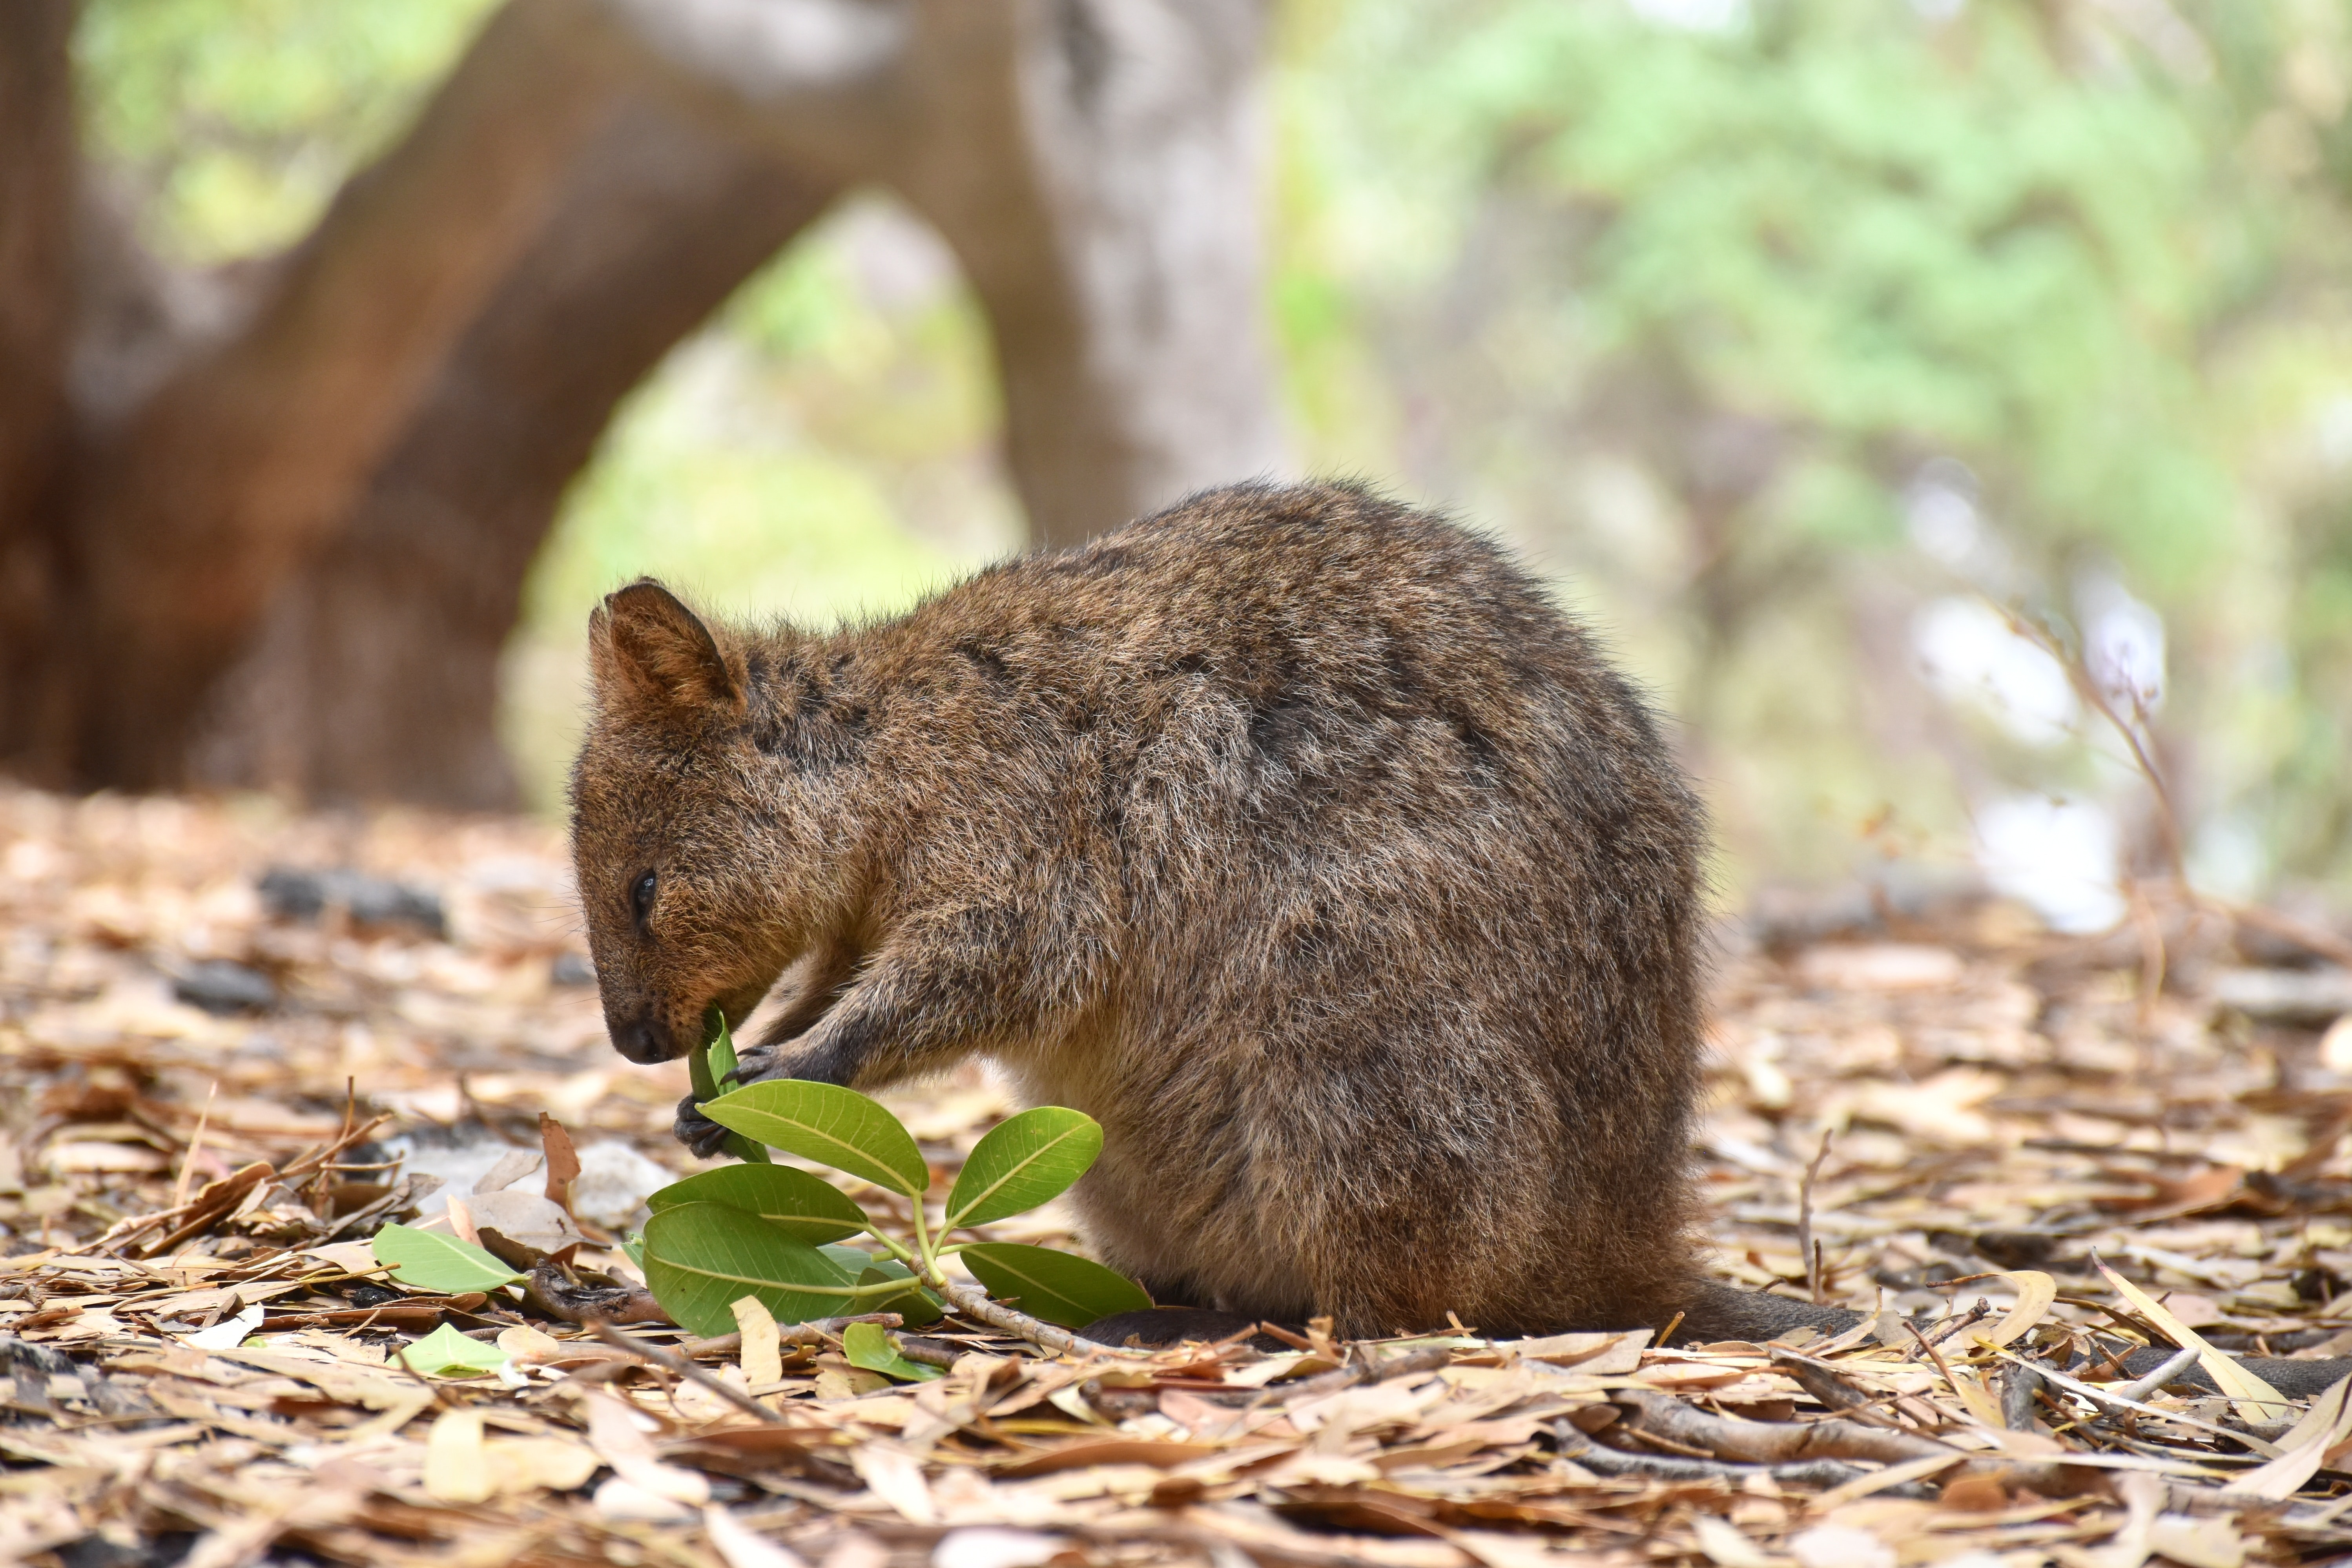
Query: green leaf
{"type": "Point", "coordinates": [1054, 1286]}
{"type": "Point", "coordinates": [868, 1346]}
{"type": "Point", "coordinates": [699, 1257]}
{"type": "Point", "coordinates": [916, 1304]}
{"type": "Point", "coordinates": [854, 1260]}
{"type": "Point", "coordinates": [707, 1067]}
{"type": "Point", "coordinates": [832, 1125]}
{"type": "Point", "coordinates": [1023, 1162]}
{"type": "Point", "coordinates": [723, 1052]}
{"type": "Point", "coordinates": [435, 1261]}
{"type": "Point", "coordinates": [634, 1249]}
{"type": "Point", "coordinates": [808, 1205]}
{"type": "Point", "coordinates": [445, 1352]}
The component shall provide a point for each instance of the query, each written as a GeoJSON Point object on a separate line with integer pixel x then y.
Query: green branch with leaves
{"type": "Point", "coordinates": [775, 1232]}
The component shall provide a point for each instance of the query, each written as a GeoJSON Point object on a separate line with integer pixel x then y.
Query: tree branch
{"type": "Point", "coordinates": [375, 671]}
{"type": "Point", "coordinates": [208, 499]}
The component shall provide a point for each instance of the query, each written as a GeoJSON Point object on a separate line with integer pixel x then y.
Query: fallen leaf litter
{"type": "Point", "coordinates": [220, 1082]}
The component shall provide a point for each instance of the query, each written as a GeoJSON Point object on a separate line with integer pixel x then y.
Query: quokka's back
{"type": "Point", "coordinates": [1294, 834]}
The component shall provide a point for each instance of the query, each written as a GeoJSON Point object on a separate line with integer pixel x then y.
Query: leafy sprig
{"type": "Point", "coordinates": [772, 1231]}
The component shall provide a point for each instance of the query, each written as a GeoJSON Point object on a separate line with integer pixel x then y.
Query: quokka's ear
{"type": "Point", "coordinates": [646, 646]}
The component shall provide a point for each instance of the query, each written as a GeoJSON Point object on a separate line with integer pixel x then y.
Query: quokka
{"type": "Point", "coordinates": [1294, 834]}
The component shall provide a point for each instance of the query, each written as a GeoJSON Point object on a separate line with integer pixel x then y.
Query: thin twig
{"type": "Point", "coordinates": [973, 1302]}
{"type": "Point", "coordinates": [2141, 1387]}
{"type": "Point", "coordinates": [1829, 1385]}
{"type": "Point", "coordinates": [196, 1141]}
{"type": "Point", "coordinates": [688, 1370]}
{"type": "Point", "coordinates": [2105, 1398]}
{"type": "Point", "coordinates": [1941, 1365]}
{"type": "Point", "coordinates": [2086, 685]}
{"type": "Point", "coordinates": [1806, 1245]}
{"type": "Point", "coordinates": [1601, 1461]}
{"type": "Point", "coordinates": [1952, 1325]}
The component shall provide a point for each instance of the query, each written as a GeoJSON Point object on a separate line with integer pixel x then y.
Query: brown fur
{"type": "Point", "coordinates": [1293, 835]}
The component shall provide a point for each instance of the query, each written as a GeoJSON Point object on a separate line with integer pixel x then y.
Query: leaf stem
{"type": "Point", "coordinates": [923, 1242]}
{"type": "Point", "coordinates": [896, 1250]}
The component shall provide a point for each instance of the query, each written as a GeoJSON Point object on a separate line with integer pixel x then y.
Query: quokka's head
{"type": "Point", "coordinates": [701, 850]}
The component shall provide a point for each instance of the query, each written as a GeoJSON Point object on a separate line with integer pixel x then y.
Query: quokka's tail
{"type": "Point", "coordinates": [1716, 1311]}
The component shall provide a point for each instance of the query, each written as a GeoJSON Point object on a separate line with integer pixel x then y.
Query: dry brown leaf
{"type": "Point", "coordinates": [614, 1432]}
{"type": "Point", "coordinates": [763, 1353]}
{"type": "Point", "coordinates": [453, 1467]}
{"type": "Point", "coordinates": [2257, 1401]}
{"type": "Point", "coordinates": [896, 1477]}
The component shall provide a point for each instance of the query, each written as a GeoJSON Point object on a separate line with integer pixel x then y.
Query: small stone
{"type": "Point", "coordinates": [222, 987]}
{"type": "Point", "coordinates": [613, 1182]}
{"type": "Point", "coordinates": [989, 1546]}
{"type": "Point", "coordinates": [1841, 1546]}
{"type": "Point", "coordinates": [292, 894]}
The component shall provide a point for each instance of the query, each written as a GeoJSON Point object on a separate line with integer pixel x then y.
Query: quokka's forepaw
{"type": "Point", "coordinates": [697, 1131]}
{"type": "Point", "coordinates": [756, 1064]}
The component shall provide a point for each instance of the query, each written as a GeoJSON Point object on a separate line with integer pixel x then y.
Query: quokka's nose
{"type": "Point", "coordinates": [642, 1040]}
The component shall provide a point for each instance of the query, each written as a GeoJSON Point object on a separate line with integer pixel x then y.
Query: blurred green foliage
{"type": "Point", "coordinates": [232, 121]}
{"type": "Point", "coordinates": [1700, 311]}
{"type": "Point", "coordinates": [1765, 328]}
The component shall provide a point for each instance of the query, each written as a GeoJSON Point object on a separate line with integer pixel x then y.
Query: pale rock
{"type": "Point", "coordinates": [614, 1182]}
{"type": "Point", "coordinates": [989, 1546]}
{"type": "Point", "coordinates": [524, 1216]}
{"type": "Point", "coordinates": [1841, 1546]}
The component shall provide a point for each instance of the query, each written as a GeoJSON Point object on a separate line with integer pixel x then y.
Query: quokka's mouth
{"type": "Point", "coordinates": [644, 1041]}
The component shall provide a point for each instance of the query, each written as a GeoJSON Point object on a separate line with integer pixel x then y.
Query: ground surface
{"type": "Point", "coordinates": [202, 1374]}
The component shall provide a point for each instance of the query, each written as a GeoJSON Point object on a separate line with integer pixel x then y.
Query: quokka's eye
{"type": "Point", "coordinates": [641, 895]}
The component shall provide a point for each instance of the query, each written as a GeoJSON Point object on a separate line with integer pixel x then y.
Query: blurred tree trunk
{"type": "Point", "coordinates": [195, 511]}
{"type": "Point", "coordinates": [294, 559]}
{"type": "Point", "coordinates": [375, 672]}
{"type": "Point", "coordinates": [38, 165]}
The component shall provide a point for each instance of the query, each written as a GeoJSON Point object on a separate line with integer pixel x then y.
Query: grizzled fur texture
{"type": "Point", "coordinates": [1293, 835]}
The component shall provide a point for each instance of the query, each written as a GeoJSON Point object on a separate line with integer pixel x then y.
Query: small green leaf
{"type": "Point", "coordinates": [808, 1205]}
{"type": "Point", "coordinates": [854, 1260]}
{"type": "Point", "coordinates": [445, 1352]}
{"type": "Point", "coordinates": [916, 1304]}
{"type": "Point", "coordinates": [707, 1067]}
{"type": "Point", "coordinates": [1023, 1162]}
{"type": "Point", "coordinates": [435, 1261]}
{"type": "Point", "coordinates": [699, 1257]}
{"type": "Point", "coordinates": [832, 1125]}
{"type": "Point", "coordinates": [723, 1052]}
{"type": "Point", "coordinates": [1054, 1286]}
{"type": "Point", "coordinates": [634, 1249]}
{"type": "Point", "coordinates": [868, 1346]}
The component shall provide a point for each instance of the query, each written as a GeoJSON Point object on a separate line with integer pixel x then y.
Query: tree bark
{"type": "Point", "coordinates": [1094, 165]}
{"type": "Point", "coordinates": [1116, 247]}
{"type": "Point", "coordinates": [375, 672]}
{"type": "Point", "coordinates": [38, 179]}
{"type": "Point", "coordinates": [204, 501]}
